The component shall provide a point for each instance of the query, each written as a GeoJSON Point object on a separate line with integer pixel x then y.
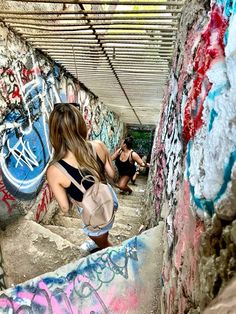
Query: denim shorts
{"type": "Point", "coordinates": [109, 226]}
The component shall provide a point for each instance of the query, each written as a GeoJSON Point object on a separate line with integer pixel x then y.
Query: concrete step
{"type": "Point", "coordinates": [75, 236]}
{"type": "Point", "coordinates": [128, 220]}
{"type": "Point", "coordinates": [124, 279]}
{"type": "Point", "coordinates": [67, 222]}
{"type": "Point", "coordinates": [35, 249]}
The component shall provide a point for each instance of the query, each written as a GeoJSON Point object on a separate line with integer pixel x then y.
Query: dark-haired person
{"type": "Point", "coordinates": [72, 150]}
{"type": "Point", "coordinates": [125, 159]}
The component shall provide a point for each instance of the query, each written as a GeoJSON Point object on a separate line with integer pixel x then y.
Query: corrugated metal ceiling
{"type": "Point", "coordinates": [120, 50]}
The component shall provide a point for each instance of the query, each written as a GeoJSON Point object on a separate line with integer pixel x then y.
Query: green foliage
{"type": "Point", "coordinates": [142, 141]}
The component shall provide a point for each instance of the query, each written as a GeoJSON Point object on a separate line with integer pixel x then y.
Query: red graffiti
{"type": "Point", "coordinates": [16, 92]}
{"type": "Point", "coordinates": [6, 196]}
{"type": "Point", "coordinates": [47, 197]}
{"type": "Point", "coordinates": [209, 50]}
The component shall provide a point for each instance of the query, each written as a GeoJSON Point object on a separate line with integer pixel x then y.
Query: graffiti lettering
{"type": "Point", "coordinates": [47, 197]}
{"type": "Point", "coordinates": [6, 196]}
{"type": "Point", "coordinates": [25, 154]}
{"type": "Point", "coordinates": [60, 294]}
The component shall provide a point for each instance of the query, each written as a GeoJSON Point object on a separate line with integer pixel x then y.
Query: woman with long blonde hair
{"type": "Point", "coordinates": [79, 156]}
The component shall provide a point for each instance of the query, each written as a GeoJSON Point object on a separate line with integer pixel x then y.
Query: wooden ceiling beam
{"type": "Point", "coordinates": [96, 54]}
{"type": "Point", "coordinates": [129, 57]}
{"type": "Point", "coordinates": [100, 66]}
{"type": "Point", "coordinates": [86, 12]}
{"type": "Point", "coordinates": [76, 18]}
{"type": "Point", "coordinates": [105, 36]}
{"type": "Point", "coordinates": [111, 2]}
{"type": "Point", "coordinates": [83, 33]}
{"type": "Point", "coordinates": [97, 63]}
{"type": "Point", "coordinates": [124, 59]}
{"type": "Point", "coordinates": [123, 22]}
{"type": "Point", "coordinates": [85, 43]}
{"type": "Point", "coordinates": [84, 27]}
{"type": "Point", "coordinates": [107, 43]}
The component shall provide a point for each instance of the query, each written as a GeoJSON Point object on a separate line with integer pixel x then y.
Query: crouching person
{"type": "Point", "coordinates": [78, 172]}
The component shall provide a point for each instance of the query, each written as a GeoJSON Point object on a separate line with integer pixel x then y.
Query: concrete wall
{"type": "Point", "coordinates": [193, 169]}
{"type": "Point", "coordinates": [30, 83]}
{"type": "Point", "coordinates": [116, 280]}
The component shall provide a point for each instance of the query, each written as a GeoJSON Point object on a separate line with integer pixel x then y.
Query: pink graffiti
{"type": "Point", "coordinates": [123, 304]}
{"type": "Point", "coordinates": [188, 229]}
{"type": "Point", "coordinates": [187, 59]}
{"type": "Point", "coordinates": [66, 300]}
{"type": "Point", "coordinates": [47, 197]}
{"type": "Point", "coordinates": [71, 93]}
{"type": "Point", "coordinates": [210, 50]}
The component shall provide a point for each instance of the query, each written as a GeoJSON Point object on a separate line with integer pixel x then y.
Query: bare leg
{"type": "Point", "coordinates": [102, 241]}
{"type": "Point", "coordinates": [123, 184]}
{"type": "Point", "coordinates": [135, 177]}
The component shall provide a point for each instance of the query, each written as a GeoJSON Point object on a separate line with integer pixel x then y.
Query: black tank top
{"type": "Point", "coordinates": [125, 168]}
{"type": "Point", "coordinates": [72, 190]}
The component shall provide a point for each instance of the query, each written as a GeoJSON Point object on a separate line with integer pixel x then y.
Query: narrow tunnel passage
{"type": "Point", "coordinates": [168, 66]}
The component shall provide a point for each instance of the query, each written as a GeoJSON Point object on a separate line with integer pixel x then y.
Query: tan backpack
{"type": "Point", "coordinates": [98, 206]}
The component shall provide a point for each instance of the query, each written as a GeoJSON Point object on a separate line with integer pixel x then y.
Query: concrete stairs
{"type": "Point", "coordinates": [121, 279]}
{"type": "Point", "coordinates": [49, 246]}
{"type": "Point", "coordinates": [128, 221]}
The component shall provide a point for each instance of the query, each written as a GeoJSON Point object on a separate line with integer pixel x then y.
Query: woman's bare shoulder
{"type": "Point", "coordinates": [96, 142]}
{"type": "Point", "coordinates": [99, 145]}
{"type": "Point", "coordinates": [52, 170]}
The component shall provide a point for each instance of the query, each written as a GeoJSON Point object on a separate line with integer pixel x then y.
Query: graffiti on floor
{"type": "Point", "coordinates": [82, 290]}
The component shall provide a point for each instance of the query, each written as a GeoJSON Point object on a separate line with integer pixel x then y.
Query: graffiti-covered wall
{"type": "Point", "coordinates": [117, 280]}
{"type": "Point", "coordinates": [30, 84]}
{"type": "Point", "coordinates": [193, 159]}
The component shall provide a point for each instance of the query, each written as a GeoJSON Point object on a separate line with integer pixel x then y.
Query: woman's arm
{"type": "Point", "coordinates": [116, 154]}
{"type": "Point", "coordinates": [139, 160]}
{"type": "Point", "coordinates": [55, 180]}
{"type": "Point", "coordinates": [105, 156]}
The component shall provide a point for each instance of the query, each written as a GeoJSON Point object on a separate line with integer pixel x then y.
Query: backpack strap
{"type": "Point", "coordinates": [66, 173]}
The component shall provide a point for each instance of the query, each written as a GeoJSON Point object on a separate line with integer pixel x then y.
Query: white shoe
{"type": "Point", "coordinates": [87, 247]}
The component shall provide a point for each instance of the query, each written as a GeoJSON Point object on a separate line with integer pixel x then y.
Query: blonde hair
{"type": "Point", "coordinates": [68, 132]}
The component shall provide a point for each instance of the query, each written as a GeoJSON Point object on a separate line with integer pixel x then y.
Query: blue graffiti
{"type": "Point", "coordinates": [26, 157]}
{"type": "Point", "coordinates": [213, 115]}
{"type": "Point", "coordinates": [204, 204]}
{"type": "Point", "coordinates": [227, 6]}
